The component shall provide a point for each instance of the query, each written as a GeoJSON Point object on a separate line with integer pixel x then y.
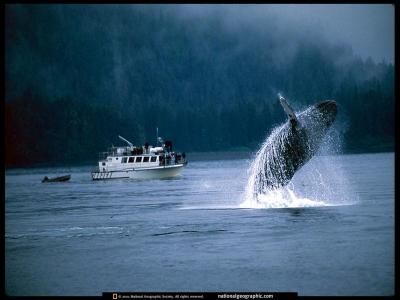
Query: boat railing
{"type": "Point", "coordinates": [166, 161]}
{"type": "Point", "coordinates": [126, 152]}
{"type": "Point", "coordinates": [169, 161]}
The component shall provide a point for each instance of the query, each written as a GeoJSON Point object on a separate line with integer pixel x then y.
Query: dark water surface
{"type": "Point", "coordinates": [84, 237]}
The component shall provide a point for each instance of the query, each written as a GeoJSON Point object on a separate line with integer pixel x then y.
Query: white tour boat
{"type": "Point", "coordinates": [144, 162]}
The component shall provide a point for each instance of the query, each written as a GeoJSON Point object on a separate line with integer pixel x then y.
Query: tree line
{"type": "Point", "coordinates": [77, 76]}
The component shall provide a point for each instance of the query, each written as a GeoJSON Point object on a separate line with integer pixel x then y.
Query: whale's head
{"type": "Point", "coordinates": [327, 111]}
{"type": "Point", "coordinates": [316, 120]}
{"type": "Point", "coordinates": [319, 117]}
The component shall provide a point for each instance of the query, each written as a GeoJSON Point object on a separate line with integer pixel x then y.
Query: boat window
{"type": "Point", "coordinates": [131, 159]}
{"type": "Point", "coordinates": [103, 164]}
{"type": "Point", "coordinates": [146, 159]}
{"type": "Point", "coordinates": [124, 159]}
{"type": "Point", "coordinates": [138, 159]}
{"type": "Point", "coordinates": [153, 158]}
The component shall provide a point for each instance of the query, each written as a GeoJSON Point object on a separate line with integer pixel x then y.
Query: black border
{"type": "Point", "coordinates": [213, 295]}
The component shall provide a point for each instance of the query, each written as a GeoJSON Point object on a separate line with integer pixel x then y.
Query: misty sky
{"type": "Point", "coordinates": [367, 28]}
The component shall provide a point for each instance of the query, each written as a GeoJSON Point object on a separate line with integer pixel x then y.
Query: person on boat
{"type": "Point", "coordinates": [168, 146]}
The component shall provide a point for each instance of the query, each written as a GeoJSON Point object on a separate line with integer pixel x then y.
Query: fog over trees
{"type": "Point", "coordinates": [76, 76]}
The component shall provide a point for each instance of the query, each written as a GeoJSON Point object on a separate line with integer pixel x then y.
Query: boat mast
{"type": "Point", "coordinates": [157, 138]}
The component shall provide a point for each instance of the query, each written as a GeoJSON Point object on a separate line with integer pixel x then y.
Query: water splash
{"type": "Point", "coordinates": [260, 170]}
{"type": "Point", "coordinates": [280, 198]}
{"type": "Point", "coordinates": [321, 182]}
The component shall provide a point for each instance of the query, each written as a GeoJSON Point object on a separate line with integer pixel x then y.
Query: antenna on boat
{"type": "Point", "coordinates": [157, 138]}
{"type": "Point", "coordinates": [125, 140]}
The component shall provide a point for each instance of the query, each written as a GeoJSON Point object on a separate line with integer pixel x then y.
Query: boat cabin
{"type": "Point", "coordinates": [131, 157]}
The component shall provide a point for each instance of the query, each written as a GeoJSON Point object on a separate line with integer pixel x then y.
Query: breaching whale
{"type": "Point", "coordinates": [293, 144]}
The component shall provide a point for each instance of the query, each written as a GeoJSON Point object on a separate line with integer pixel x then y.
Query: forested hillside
{"type": "Point", "coordinates": [76, 76]}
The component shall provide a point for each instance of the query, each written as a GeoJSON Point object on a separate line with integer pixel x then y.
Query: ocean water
{"type": "Point", "coordinates": [330, 232]}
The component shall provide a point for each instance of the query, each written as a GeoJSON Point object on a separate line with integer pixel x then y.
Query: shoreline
{"type": "Point", "coordinates": [193, 156]}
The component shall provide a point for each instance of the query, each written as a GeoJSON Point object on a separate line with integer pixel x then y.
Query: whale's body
{"type": "Point", "coordinates": [293, 144]}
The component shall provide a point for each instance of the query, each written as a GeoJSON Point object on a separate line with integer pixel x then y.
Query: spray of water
{"type": "Point", "coordinates": [321, 182]}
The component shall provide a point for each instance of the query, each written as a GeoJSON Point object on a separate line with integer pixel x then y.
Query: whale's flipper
{"type": "Point", "coordinates": [288, 110]}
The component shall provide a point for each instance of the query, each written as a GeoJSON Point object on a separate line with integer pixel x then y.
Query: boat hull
{"type": "Point", "coordinates": [142, 173]}
{"type": "Point", "coordinates": [57, 179]}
